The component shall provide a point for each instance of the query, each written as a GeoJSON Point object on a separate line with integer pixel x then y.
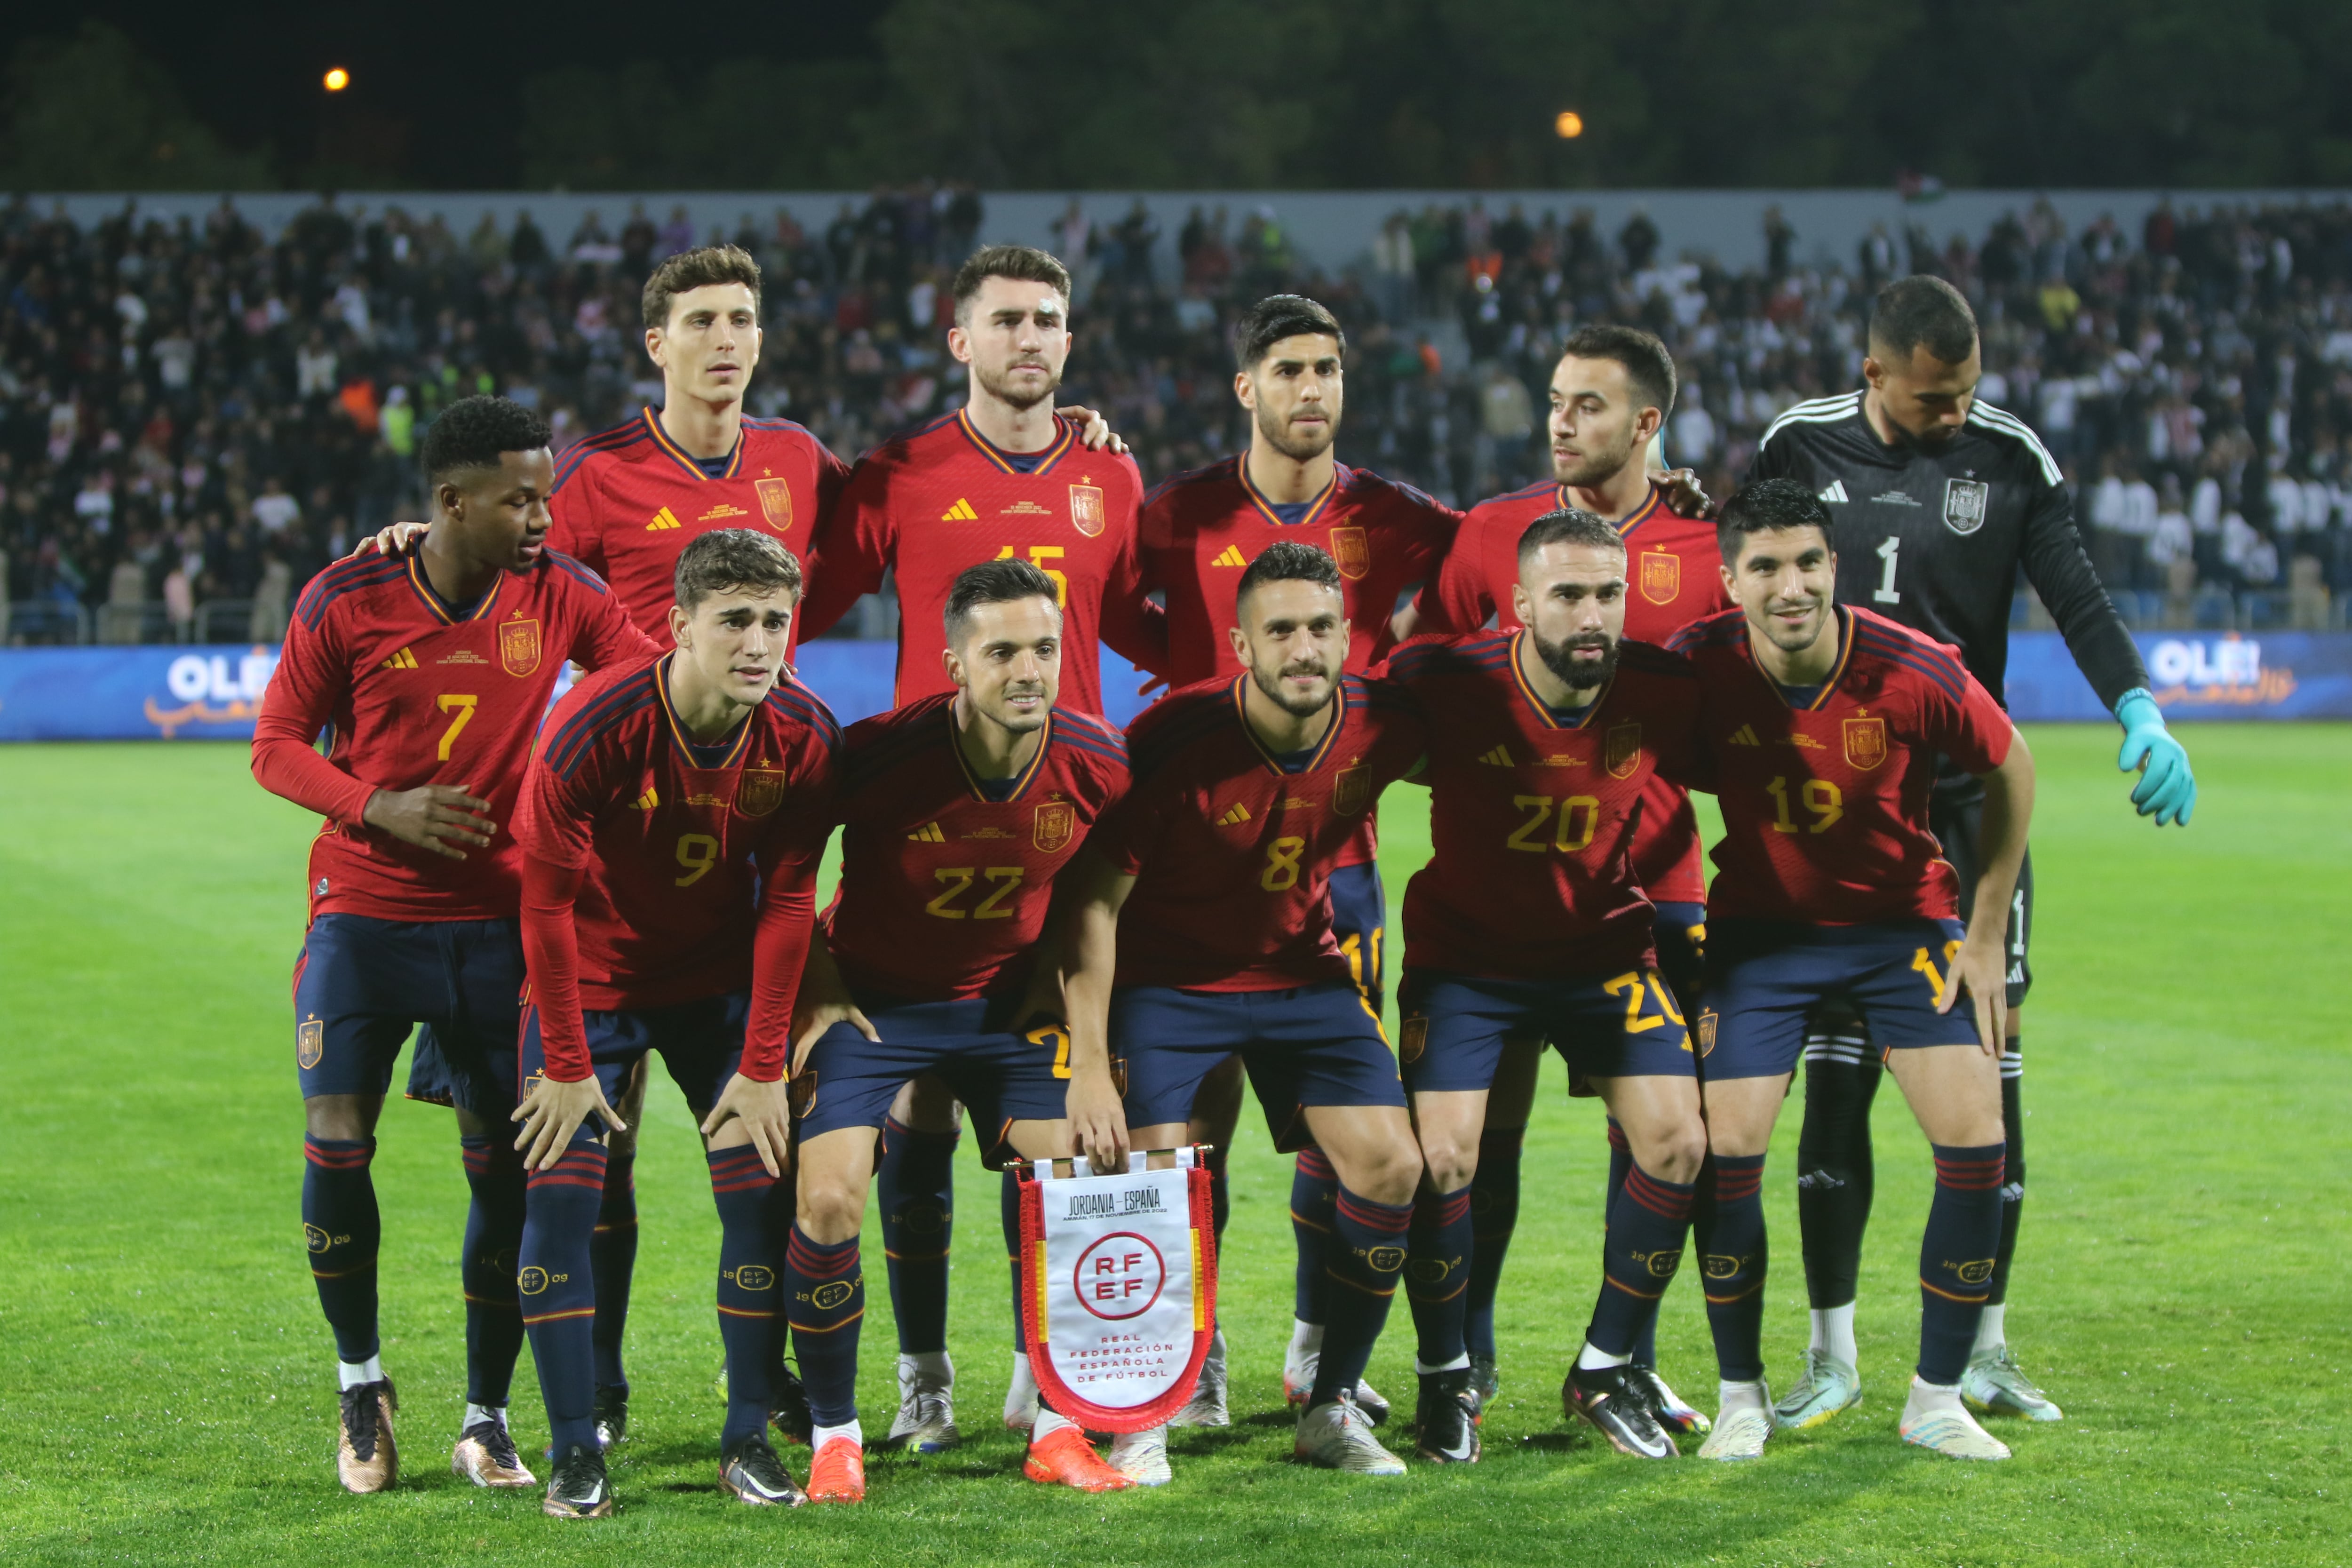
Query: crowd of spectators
{"type": "Point", "coordinates": [194, 416]}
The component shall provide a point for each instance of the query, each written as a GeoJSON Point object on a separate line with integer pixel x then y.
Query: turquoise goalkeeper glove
{"type": "Point", "coordinates": [2167, 789]}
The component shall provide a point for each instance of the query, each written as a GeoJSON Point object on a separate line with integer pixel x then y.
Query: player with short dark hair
{"type": "Point", "coordinates": [671, 826]}
{"type": "Point", "coordinates": [1822, 720]}
{"type": "Point", "coordinates": [1941, 500]}
{"type": "Point", "coordinates": [428, 672]}
{"type": "Point", "coordinates": [1200, 532]}
{"type": "Point", "coordinates": [1205, 900]}
{"type": "Point", "coordinates": [1529, 922]}
{"type": "Point", "coordinates": [1611, 392]}
{"type": "Point", "coordinates": [957, 814]}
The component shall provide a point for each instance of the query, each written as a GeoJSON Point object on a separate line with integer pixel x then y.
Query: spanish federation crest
{"type": "Point", "coordinates": [1352, 551]}
{"type": "Point", "coordinates": [1352, 790]}
{"type": "Point", "coordinates": [1621, 750]}
{"type": "Point", "coordinates": [518, 647]}
{"type": "Point", "coordinates": [1964, 504]}
{"type": "Point", "coordinates": [1865, 743]}
{"type": "Point", "coordinates": [1706, 1032]}
{"type": "Point", "coordinates": [762, 791]}
{"type": "Point", "coordinates": [1086, 509]}
{"type": "Point", "coordinates": [310, 1043]}
{"type": "Point", "coordinates": [1662, 576]}
{"type": "Point", "coordinates": [775, 503]}
{"type": "Point", "coordinates": [1412, 1040]}
{"type": "Point", "coordinates": [1056, 822]}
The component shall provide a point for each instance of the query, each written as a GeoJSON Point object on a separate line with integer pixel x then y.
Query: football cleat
{"type": "Point", "coordinates": [1672, 1412]}
{"type": "Point", "coordinates": [1485, 1380]}
{"type": "Point", "coordinates": [1299, 1386]}
{"type": "Point", "coordinates": [1613, 1403]}
{"type": "Point", "coordinates": [1740, 1430]}
{"type": "Point", "coordinates": [752, 1474]}
{"type": "Point", "coordinates": [1951, 1431]}
{"type": "Point", "coordinates": [1207, 1405]}
{"type": "Point", "coordinates": [791, 1416]}
{"type": "Point", "coordinates": [365, 1459]}
{"type": "Point", "coordinates": [486, 1456]}
{"type": "Point", "coordinates": [1063, 1458]}
{"type": "Point", "coordinates": [926, 1420]}
{"type": "Point", "coordinates": [1828, 1386]}
{"type": "Point", "coordinates": [612, 1414]}
{"type": "Point", "coordinates": [837, 1474]}
{"type": "Point", "coordinates": [1142, 1456]}
{"type": "Point", "coordinates": [1336, 1436]}
{"type": "Point", "coordinates": [578, 1489]}
{"type": "Point", "coordinates": [1445, 1418]}
{"type": "Point", "coordinates": [1020, 1396]}
{"type": "Point", "coordinates": [1994, 1384]}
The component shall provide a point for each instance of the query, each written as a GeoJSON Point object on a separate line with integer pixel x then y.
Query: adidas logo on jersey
{"type": "Point", "coordinates": [404, 659]}
{"type": "Point", "coordinates": [928, 833]}
{"type": "Point", "coordinates": [1232, 556]}
{"type": "Point", "coordinates": [663, 518]}
{"type": "Point", "coordinates": [1835, 494]}
{"type": "Point", "coordinates": [1744, 736]}
{"type": "Point", "coordinates": [1234, 817]}
{"type": "Point", "coordinates": [647, 801]}
{"type": "Point", "coordinates": [1500, 757]}
{"type": "Point", "coordinates": [960, 513]}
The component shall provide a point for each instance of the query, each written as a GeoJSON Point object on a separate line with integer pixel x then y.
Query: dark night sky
{"type": "Point", "coordinates": [447, 76]}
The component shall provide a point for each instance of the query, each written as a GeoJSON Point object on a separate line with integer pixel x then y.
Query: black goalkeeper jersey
{"type": "Point", "coordinates": [1933, 537]}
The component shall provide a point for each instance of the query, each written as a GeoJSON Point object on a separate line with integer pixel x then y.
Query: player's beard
{"type": "Point", "coordinates": [1297, 448]}
{"type": "Point", "coordinates": [998, 383]}
{"type": "Point", "coordinates": [1015, 721]}
{"type": "Point", "coordinates": [1558, 658]}
{"type": "Point", "coordinates": [1590, 470]}
{"type": "Point", "coordinates": [1297, 707]}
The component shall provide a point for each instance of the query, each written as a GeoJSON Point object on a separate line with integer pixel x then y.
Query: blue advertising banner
{"type": "Point", "coordinates": [211, 693]}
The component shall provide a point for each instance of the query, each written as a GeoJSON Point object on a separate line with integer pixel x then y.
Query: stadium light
{"type": "Point", "coordinates": [339, 79]}
{"type": "Point", "coordinates": [1570, 124]}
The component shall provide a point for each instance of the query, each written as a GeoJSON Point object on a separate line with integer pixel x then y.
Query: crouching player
{"type": "Point", "coordinates": [671, 825]}
{"type": "Point", "coordinates": [958, 811]}
{"type": "Point", "coordinates": [1825, 722]}
{"type": "Point", "coordinates": [1530, 922]}
{"type": "Point", "coordinates": [1247, 793]}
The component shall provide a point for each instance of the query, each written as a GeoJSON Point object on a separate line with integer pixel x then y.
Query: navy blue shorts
{"type": "Point", "coordinates": [1004, 1076]}
{"type": "Point", "coordinates": [701, 1042]}
{"type": "Point", "coordinates": [1360, 919]}
{"type": "Point", "coordinates": [1764, 977]}
{"type": "Point", "coordinates": [362, 983]}
{"type": "Point", "coordinates": [1315, 1045]}
{"type": "Point", "coordinates": [1452, 1034]}
{"type": "Point", "coordinates": [1681, 938]}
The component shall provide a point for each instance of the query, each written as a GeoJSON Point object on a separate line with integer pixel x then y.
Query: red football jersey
{"type": "Point", "coordinates": [1533, 813]}
{"type": "Point", "coordinates": [1825, 806]}
{"type": "Point", "coordinates": [626, 502]}
{"type": "Point", "coordinates": [414, 691]}
{"type": "Point", "coordinates": [943, 890]}
{"type": "Point", "coordinates": [927, 504]}
{"type": "Point", "coordinates": [685, 847]}
{"type": "Point", "coordinates": [1671, 581]}
{"type": "Point", "coordinates": [1231, 854]}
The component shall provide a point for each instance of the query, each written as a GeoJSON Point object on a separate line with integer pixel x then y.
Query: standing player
{"type": "Point", "coordinates": [1823, 720]}
{"type": "Point", "coordinates": [1003, 478]}
{"type": "Point", "coordinates": [1610, 394]}
{"type": "Point", "coordinates": [1529, 921]}
{"type": "Point", "coordinates": [1246, 793]}
{"type": "Point", "coordinates": [1940, 500]}
{"type": "Point", "coordinates": [1198, 532]}
{"type": "Point", "coordinates": [931, 967]}
{"type": "Point", "coordinates": [671, 826]}
{"type": "Point", "coordinates": [429, 673]}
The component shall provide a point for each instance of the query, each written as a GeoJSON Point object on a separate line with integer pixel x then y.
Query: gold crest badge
{"type": "Point", "coordinates": [1706, 1031]}
{"type": "Point", "coordinates": [1352, 551]}
{"type": "Point", "coordinates": [1086, 509]}
{"type": "Point", "coordinates": [800, 1092]}
{"type": "Point", "coordinates": [518, 647]}
{"type": "Point", "coordinates": [1662, 576]}
{"type": "Point", "coordinates": [310, 1043]}
{"type": "Point", "coordinates": [1976, 1271]}
{"type": "Point", "coordinates": [1412, 1040]}
{"type": "Point", "coordinates": [762, 791]}
{"type": "Point", "coordinates": [1352, 790]}
{"type": "Point", "coordinates": [1056, 824]}
{"type": "Point", "coordinates": [1865, 743]}
{"type": "Point", "coordinates": [775, 503]}
{"type": "Point", "coordinates": [1621, 750]}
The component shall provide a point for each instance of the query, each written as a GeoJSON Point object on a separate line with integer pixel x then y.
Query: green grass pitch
{"type": "Point", "coordinates": [166, 1393]}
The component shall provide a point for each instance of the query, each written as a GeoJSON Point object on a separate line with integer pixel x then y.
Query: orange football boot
{"type": "Point", "coordinates": [837, 1474]}
{"type": "Point", "coordinates": [1063, 1458]}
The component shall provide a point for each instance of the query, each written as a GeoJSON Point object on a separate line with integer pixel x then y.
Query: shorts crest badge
{"type": "Point", "coordinates": [1056, 821]}
{"type": "Point", "coordinates": [1964, 504]}
{"type": "Point", "coordinates": [1352, 551]}
{"type": "Point", "coordinates": [800, 1091]}
{"type": "Point", "coordinates": [1621, 750]}
{"type": "Point", "coordinates": [310, 1043]}
{"type": "Point", "coordinates": [775, 503]}
{"type": "Point", "coordinates": [518, 647]}
{"type": "Point", "coordinates": [1662, 576]}
{"type": "Point", "coordinates": [1706, 1031]}
{"type": "Point", "coordinates": [1412, 1038]}
{"type": "Point", "coordinates": [1086, 511]}
{"type": "Point", "coordinates": [762, 791]}
{"type": "Point", "coordinates": [1352, 790]}
{"type": "Point", "coordinates": [1865, 743]}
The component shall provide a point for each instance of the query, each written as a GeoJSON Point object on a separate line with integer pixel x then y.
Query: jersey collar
{"type": "Point", "coordinates": [441, 610]}
{"type": "Point", "coordinates": [1065, 437]}
{"type": "Point", "coordinates": [1650, 507]}
{"type": "Point", "coordinates": [1316, 509]}
{"type": "Point", "coordinates": [684, 458]}
{"type": "Point", "coordinates": [685, 741]}
{"type": "Point", "coordinates": [1322, 748]}
{"type": "Point", "coordinates": [1837, 671]}
{"type": "Point", "coordinates": [1021, 782]}
{"type": "Point", "coordinates": [1543, 711]}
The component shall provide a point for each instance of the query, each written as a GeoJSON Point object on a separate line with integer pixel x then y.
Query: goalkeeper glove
{"type": "Point", "coordinates": [2167, 789]}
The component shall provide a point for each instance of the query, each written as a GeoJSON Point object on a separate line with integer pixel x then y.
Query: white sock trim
{"type": "Point", "coordinates": [1306, 1338]}
{"type": "Point", "coordinates": [1731, 1397]}
{"type": "Point", "coordinates": [1833, 1332]}
{"type": "Point", "coordinates": [476, 1414]}
{"type": "Point", "coordinates": [1049, 1420]}
{"type": "Point", "coordinates": [1422, 1369]}
{"type": "Point", "coordinates": [352, 1373]}
{"type": "Point", "coordinates": [1991, 1332]}
{"type": "Point", "coordinates": [1592, 1358]}
{"type": "Point", "coordinates": [934, 1364]}
{"type": "Point", "coordinates": [824, 1435]}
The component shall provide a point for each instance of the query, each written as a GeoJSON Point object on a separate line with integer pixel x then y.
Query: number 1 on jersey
{"type": "Point", "coordinates": [1887, 552]}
